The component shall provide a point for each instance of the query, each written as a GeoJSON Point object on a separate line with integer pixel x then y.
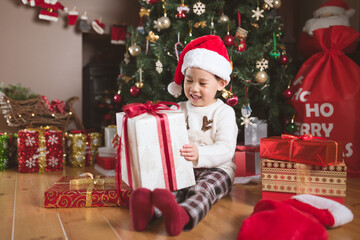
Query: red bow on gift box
{"type": "Point", "coordinates": [135, 109]}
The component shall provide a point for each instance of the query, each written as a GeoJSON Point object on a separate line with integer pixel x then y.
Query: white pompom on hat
{"type": "Point", "coordinates": [208, 53]}
{"type": "Point", "coordinates": [338, 7]}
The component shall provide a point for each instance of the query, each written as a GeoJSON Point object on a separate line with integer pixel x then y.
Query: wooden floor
{"type": "Point", "coordinates": [24, 217]}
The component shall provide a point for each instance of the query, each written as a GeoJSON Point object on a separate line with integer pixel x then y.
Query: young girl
{"type": "Point", "coordinates": [205, 67]}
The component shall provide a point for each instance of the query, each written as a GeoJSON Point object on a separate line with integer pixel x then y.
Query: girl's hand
{"type": "Point", "coordinates": [190, 152]}
{"type": "Point", "coordinates": [115, 141]}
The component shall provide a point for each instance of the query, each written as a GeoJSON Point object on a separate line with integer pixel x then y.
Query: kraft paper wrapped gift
{"type": "Point", "coordinates": [281, 180]}
{"type": "Point", "coordinates": [154, 138]}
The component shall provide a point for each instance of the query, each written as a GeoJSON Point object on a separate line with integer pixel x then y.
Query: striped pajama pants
{"type": "Point", "coordinates": [211, 185]}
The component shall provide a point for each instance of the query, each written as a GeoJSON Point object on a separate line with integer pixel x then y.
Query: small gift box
{"type": "Point", "coordinates": [109, 133]}
{"type": "Point", "coordinates": [281, 180]}
{"type": "Point", "coordinates": [305, 149]}
{"type": "Point", "coordinates": [247, 160]}
{"type": "Point", "coordinates": [4, 151]}
{"type": "Point", "coordinates": [255, 131]}
{"type": "Point", "coordinates": [82, 147]}
{"type": "Point", "coordinates": [40, 149]}
{"type": "Point", "coordinates": [107, 163]}
{"type": "Point", "coordinates": [85, 192]}
{"type": "Point", "coordinates": [151, 139]}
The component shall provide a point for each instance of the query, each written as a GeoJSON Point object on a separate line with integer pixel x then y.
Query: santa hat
{"type": "Point", "coordinates": [338, 7]}
{"type": "Point", "coordinates": [98, 26]}
{"type": "Point", "coordinates": [208, 53]}
{"type": "Point", "coordinates": [302, 217]}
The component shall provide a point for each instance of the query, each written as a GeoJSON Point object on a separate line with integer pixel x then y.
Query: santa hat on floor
{"type": "Point", "coordinates": [98, 26]}
{"type": "Point", "coordinates": [208, 53]}
{"type": "Point", "coordinates": [302, 217]}
{"type": "Point", "coordinates": [338, 7]}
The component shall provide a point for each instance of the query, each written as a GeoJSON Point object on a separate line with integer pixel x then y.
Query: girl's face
{"type": "Point", "coordinates": [200, 86]}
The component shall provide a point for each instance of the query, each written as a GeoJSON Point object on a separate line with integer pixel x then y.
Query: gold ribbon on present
{"type": "Point", "coordinates": [90, 183]}
{"type": "Point", "coordinates": [144, 12]}
{"type": "Point", "coordinates": [201, 24]}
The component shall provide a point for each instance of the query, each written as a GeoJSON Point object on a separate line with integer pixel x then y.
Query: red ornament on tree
{"type": "Point", "coordinates": [228, 40]}
{"type": "Point", "coordinates": [152, 2]}
{"type": "Point", "coordinates": [287, 93]}
{"type": "Point", "coordinates": [284, 59]}
{"type": "Point", "coordinates": [232, 101]}
{"type": "Point", "coordinates": [181, 15]}
{"type": "Point", "coordinates": [118, 98]}
{"type": "Point", "coordinates": [134, 91]}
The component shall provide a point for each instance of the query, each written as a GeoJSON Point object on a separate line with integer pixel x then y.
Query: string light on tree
{"type": "Point", "coordinates": [291, 126]}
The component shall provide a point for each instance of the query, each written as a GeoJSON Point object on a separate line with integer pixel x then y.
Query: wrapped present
{"type": "Point", "coordinates": [304, 149]}
{"type": "Point", "coordinates": [109, 133]}
{"type": "Point", "coordinates": [255, 131]}
{"type": "Point", "coordinates": [149, 151]}
{"type": "Point", "coordinates": [247, 160]}
{"type": "Point", "coordinates": [4, 151]}
{"type": "Point", "coordinates": [107, 163]}
{"type": "Point", "coordinates": [82, 147]}
{"type": "Point", "coordinates": [40, 149]}
{"type": "Point", "coordinates": [85, 192]}
{"type": "Point", "coordinates": [280, 180]}
{"type": "Point", "coordinates": [107, 152]}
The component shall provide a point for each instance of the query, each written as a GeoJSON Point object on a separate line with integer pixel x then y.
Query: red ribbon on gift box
{"type": "Point", "coordinates": [306, 137]}
{"type": "Point", "coordinates": [135, 109]}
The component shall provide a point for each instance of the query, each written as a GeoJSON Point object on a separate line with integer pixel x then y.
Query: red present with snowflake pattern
{"type": "Point", "coordinates": [281, 179]}
{"type": "Point", "coordinates": [40, 150]}
{"type": "Point", "coordinates": [86, 192]}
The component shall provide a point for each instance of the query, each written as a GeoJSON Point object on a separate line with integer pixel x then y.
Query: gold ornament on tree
{"type": "Point", "coordinates": [134, 50]}
{"type": "Point", "coordinates": [140, 84]}
{"type": "Point", "coordinates": [152, 37]}
{"type": "Point", "coordinates": [261, 77]}
{"type": "Point", "coordinates": [163, 22]}
{"type": "Point", "coordinates": [277, 4]}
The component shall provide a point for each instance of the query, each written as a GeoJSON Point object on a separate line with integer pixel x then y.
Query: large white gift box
{"type": "Point", "coordinates": [149, 166]}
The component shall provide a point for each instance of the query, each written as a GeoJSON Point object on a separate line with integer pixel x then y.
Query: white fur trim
{"type": "Point", "coordinates": [329, 9]}
{"type": "Point", "coordinates": [183, 8]}
{"type": "Point", "coordinates": [32, 3]}
{"type": "Point", "coordinates": [174, 89]}
{"type": "Point", "coordinates": [72, 12]}
{"type": "Point", "coordinates": [97, 28]}
{"type": "Point", "coordinates": [24, 1]}
{"type": "Point", "coordinates": [317, 23]}
{"type": "Point", "coordinates": [340, 213]}
{"type": "Point", "coordinates": [49, 18]}
{"type": "Point", "coordinates": [52, 2]}
{"type": "Point", "coordinates": [66, 10]}
{"type": "Point", "coordinates": [350, 12]}
{"type": "Point", "coordinates": [84, 17]}
{"type": "Point", "coordinates": [209, 61]}
{"type": "Point", "coordinates": [117, 42]}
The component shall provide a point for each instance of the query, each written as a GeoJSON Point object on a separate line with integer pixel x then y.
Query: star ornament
{"type": "Point", "coordinates": [270, 3]}
{"type": "Point", "coordinates": [262, 64]}
{"type": "Point", "coordinates": [257, 13]}
{"type": "Point", "coordinates": [246, 121]}
{"type": "Point", "coordinates": [157, 25]}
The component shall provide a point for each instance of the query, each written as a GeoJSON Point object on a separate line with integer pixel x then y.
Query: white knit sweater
{"type": "Point", "coordinates": [213, 129]}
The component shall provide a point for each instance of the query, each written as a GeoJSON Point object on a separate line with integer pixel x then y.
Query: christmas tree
{"type": "Point", "coordinates": [250, 29]}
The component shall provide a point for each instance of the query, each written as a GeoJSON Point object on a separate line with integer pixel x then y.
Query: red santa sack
{"type": "Point", "coordinates": [327, 93]}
